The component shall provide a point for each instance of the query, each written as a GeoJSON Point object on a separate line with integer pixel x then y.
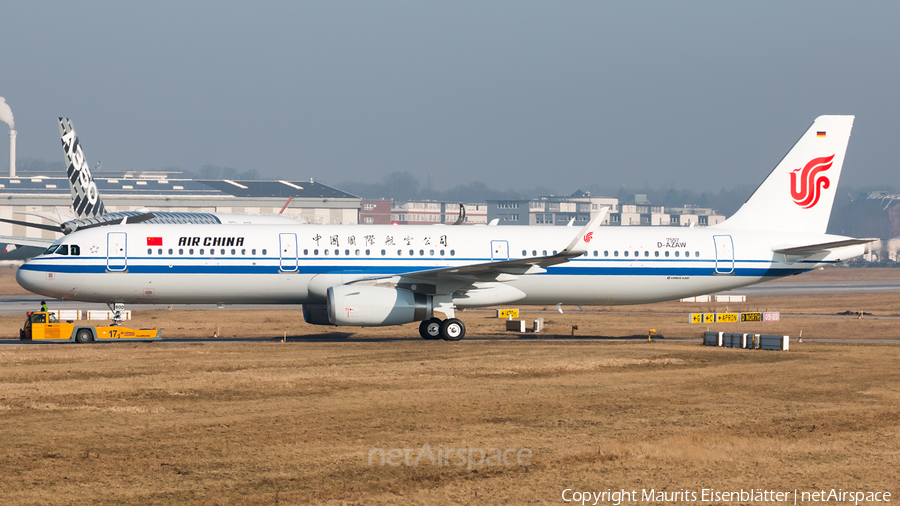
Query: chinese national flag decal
{"type": "Point", "coordinates": [154, 241]}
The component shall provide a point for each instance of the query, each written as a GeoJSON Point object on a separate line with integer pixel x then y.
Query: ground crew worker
{"type": "Point", "coordinates": [44, 306]}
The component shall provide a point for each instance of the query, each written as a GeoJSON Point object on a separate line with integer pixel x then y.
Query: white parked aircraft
{"type": "Point", "coordinates": [89, 210]}
{"type": "Point", "coordinates": [370, 275]}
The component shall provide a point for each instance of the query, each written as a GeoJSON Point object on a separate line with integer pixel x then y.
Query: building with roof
{"type": "Point", "coordinates": [581, 207]}
{"type": "Point", "coordinates": [433, 213]}
{"type": "Point", "coordinates": [43, 199]}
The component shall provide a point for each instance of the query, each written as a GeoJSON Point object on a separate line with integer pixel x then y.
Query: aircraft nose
{"type": "Point", "coordinates": [32, 280]}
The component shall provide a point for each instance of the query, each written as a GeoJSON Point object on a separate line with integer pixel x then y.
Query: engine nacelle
{"type": "Point", "coordinates": [372, 306]}
{"type": "Point", "coordinates": [316, 314]}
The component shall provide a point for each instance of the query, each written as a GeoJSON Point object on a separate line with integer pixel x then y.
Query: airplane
{"type": "Point", "coordinates": [90, 211]}
{"type": "Point", "coordinates": [372, 275]}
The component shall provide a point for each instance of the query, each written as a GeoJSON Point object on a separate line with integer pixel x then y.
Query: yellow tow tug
{"type": "Point", "coordinates": [45, 327]}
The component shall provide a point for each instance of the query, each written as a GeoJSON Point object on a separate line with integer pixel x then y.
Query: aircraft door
{"type": "Point", "coordinates": [499, 251]}
{"type": "Point", "coordinates": [116, 256]}
{"type": "Point", "coordinates": [724, 254]}
{"type": "Point", "coordinates": [288, 251]}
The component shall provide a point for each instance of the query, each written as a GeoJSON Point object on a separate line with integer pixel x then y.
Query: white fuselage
{"type": "Point", "coordinates": [295, 264]}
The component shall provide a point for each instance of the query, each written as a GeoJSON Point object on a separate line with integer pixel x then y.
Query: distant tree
{"type": "Point", "coordinates": [34, 165]}
{"type": "Point", "coordinates": [402, 186]}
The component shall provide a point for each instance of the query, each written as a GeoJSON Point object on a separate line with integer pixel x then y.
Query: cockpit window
{"type": "Point", "coordinates": [63, 249]}
{"type": "Point", "coordinates": [74, 250]}
{"type": "Point", "coordinates": [51, 249]}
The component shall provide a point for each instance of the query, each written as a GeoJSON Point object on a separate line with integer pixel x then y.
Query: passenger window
{"type": "Point", "coordinates": [368, 252]}
{"type": "Point", "coordinates": [421, 252]}
{"type": "Point", "coordinates": [170, 251]}
{"type": "Point", "coordinates": [676, 253]}
{"type": "Point", "coordinates": [442, 252]}
{"type": "Point", "coordinates": [606, 253]}
{"type": "Point", "coordinates": [191, 251]}
{"type": "Point", "coordinates": [399, 252]}
{"type": "Point", "coordinates": [159, 251]}
{"type": "Point", "coordinates": [534, 252]}
{"type": "Point", "coordinates": [264, 251]}
{"type": "Point", "coordinates": [646, 253]}
{"type": "Point", "coordinates": [180, 251]}
{"type": "Point", "coordinates": [243, 252]}
{"type": "Point", "coordinates": [656, 253]}
{"type": "Point", "coordinates": [616, 253]}
{"type": "Point", "coordinates": [222, 252]}
{"type": "Point", "coordinates": [544, 253]}
{"type": "Point", "coordinates": [667, 254]}
{"type": "Point", "coordinates": [326, 252]}
{"type": "Point", "coordinates": [453, 253]}
{"type": "Point", "coordinates": [356, 252]}
{"type": "Point", "coordinates": [412, 253]}
{"type": "Point", "coordinates": [625, 253]}
{"type": "Point", "coordinates": [315, 252]}
{"type": "Point", "coordinates": [253, 252]}
{"type": "Point", "coordinates": [696, 254]}
{"type": "Point", "coordinates": [76, 250]}
{"type": "Point", "coordinates": [149, 251]}
{"type": "Point", "coordinates": [524, 253]}
{"type": "Point", "coordinates": [347, 252]}
{"type": "Point", "coordinates": [202, 251]}
{"type": "Point", "coordinates": [382, 252]}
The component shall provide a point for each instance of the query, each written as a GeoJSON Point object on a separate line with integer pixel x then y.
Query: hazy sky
{"type": "Point", "coordinates": [518, 94]}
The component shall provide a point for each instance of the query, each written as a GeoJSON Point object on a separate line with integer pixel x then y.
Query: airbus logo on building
{"type": "Point", "coordinates": [808, 189]}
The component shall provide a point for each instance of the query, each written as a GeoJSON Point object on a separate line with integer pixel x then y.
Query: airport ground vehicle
{"type": "Point", "coordinates": [45, 327]}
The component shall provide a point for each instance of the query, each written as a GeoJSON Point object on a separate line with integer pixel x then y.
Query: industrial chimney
{"type": "Point", "coordinates": [12, 153]}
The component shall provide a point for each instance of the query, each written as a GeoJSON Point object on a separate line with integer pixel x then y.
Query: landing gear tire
{"type": "Point", "coordinates": [452, 329]}
{"type": "Point", "coordinates": [83, 336]}
{"type": "Point", "coordinates": [430, 329]}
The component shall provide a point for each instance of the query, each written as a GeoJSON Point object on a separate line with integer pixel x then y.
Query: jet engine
{"type": "Point", "coordinates": [372, 306]}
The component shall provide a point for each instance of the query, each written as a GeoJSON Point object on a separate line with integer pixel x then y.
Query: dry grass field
{"type": "Point", "coordinates": [265, 422]}
{"type": "Point", "coordinates": [271, 423]}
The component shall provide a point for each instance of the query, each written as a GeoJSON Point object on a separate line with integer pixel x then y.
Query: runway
{"type": "Point", "coordinates": [789, 288]}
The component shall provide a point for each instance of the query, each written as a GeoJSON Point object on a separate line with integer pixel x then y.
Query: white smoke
{"type": "Point", "coordinates": [6, 114]}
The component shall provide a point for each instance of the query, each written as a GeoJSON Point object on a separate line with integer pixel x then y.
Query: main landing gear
{"type": "Point", "coordinates": [451, 329]}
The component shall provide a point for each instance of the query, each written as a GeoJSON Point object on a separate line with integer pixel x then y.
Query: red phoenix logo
{"type": "Point", "coordinates": [588, 236]}
{"type": "Point", "coordinates": [806, 193]}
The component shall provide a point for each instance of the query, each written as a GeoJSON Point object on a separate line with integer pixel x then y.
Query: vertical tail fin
{"type": "Point", "coordinates": [85, 198]}
{"type": "Point", "coordinates": [798, 195]}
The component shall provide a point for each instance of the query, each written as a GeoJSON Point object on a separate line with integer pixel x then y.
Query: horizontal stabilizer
{"type": "Point", "coordinates": [811, 249]}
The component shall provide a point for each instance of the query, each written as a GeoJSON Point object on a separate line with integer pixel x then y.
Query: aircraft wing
{"type": "Point", "coordinates": [52, 228]}
{"type": "Point", "coordinates": [811, 249]}
{"type": "Point", "coordinates": [502, 270]}
{"type": "Point", "coordinates": [27, 241]}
